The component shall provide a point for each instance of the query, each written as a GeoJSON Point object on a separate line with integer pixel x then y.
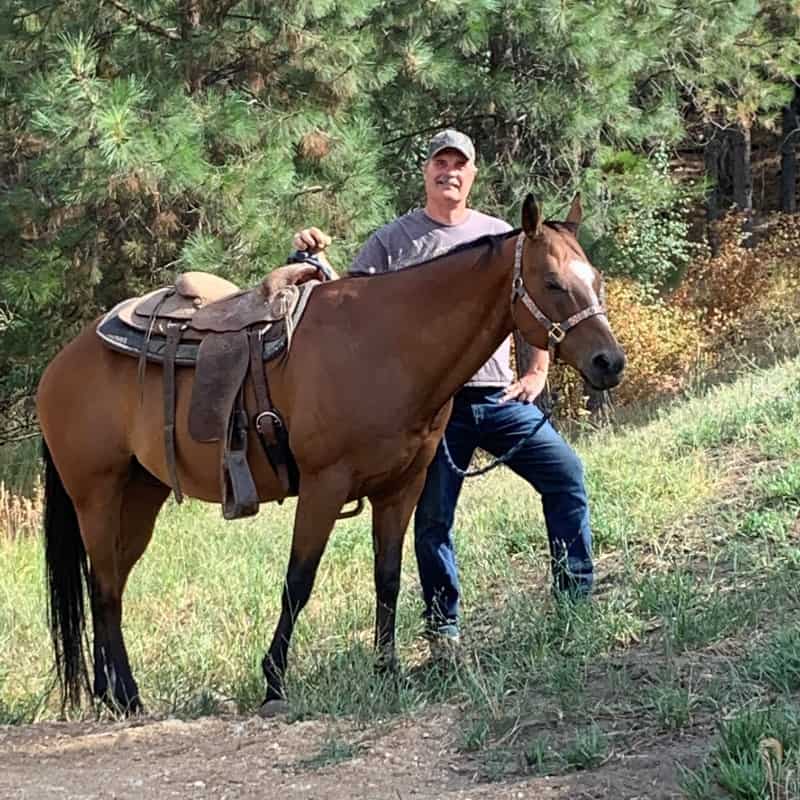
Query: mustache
{"type": "Point", "coordinates": [448, 182]}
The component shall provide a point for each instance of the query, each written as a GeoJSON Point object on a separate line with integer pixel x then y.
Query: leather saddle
{"type": "Point", "coordinates": [226, 335]}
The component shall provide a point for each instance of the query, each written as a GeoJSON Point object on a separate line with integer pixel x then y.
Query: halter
{"type": "Point", "coordinates": [556, 331]}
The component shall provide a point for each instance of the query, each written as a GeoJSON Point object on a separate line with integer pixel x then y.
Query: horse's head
{"type": "Point", "coordinates": [557, 297]}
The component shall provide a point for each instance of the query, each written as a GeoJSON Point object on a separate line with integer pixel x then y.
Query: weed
{"type": "Point", "coordinates": [475, 735]}
{"type": "Point", "coordinates": [698, 784]}
{"type": "Point", "coordinates": [334, 750]}
{"type": "Point", "coordinates": [776, 662]}
{"type": "Point", "coordinates": [538, 754]}
{"type": "Point", "coordinates": [754, 757]}
{"type": "Point", "coordinates": [588, 749]}
{"type": "Point", "coordinates": [498, 763]}
{"type": "Point", "coordinates": [672, 706]}
{"type": "Point", "coordinates": [767, 523]}
{"type": "Point", "coordinates": [782, 487]}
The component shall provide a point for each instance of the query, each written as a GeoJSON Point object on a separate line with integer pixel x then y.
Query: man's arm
{"type": "Point", "coordinates": [371, 259]}
{"type": "Point", "coordinates": [533, 364]}
{"type": "Point", "coordinates": [314, 241]}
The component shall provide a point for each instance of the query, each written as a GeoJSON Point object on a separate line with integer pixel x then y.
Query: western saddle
{"type": "Point", "coordinates": [225, 334]}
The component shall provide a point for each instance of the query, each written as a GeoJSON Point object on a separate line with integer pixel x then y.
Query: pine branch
{"type": "Point", "coordinates": [223, 9]}
{"type": "Point", "coordinates": [437, 127]}
{"type": "Point", "coordinates": [225, 72]}
{"type": "Point", "coordinates": [145, 24]}
{"type": "Point", "coordinates": [34, 11]}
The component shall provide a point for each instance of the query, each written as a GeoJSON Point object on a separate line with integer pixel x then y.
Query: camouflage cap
{"type": "Point", "coordinates": [451, 139]}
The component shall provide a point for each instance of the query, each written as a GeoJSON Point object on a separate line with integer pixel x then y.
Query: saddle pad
{"type": "Point", "coordinates": [222, 363]}
{"type": "Point", "coordinates": [118, 332]}
{"type": "Point", "coordinates": [118, 336]}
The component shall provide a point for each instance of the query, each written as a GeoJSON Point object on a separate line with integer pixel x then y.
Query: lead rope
{"type": "Point", "coordinates": [496, 462]}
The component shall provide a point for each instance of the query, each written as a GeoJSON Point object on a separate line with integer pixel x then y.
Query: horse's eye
{"type": "Point", "coordinates": [553, 284]}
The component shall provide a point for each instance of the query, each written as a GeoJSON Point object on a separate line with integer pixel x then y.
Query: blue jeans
{"type": "Point", "coordinates": [546, 461]}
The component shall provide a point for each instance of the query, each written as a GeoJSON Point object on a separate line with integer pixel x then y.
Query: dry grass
{"type": "Point", "coordinates": [19, 515]}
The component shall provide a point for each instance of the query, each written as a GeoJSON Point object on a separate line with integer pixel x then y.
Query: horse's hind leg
{"type": "Point", "coordinates": [321, 499]}
{"type": "Point", "coordinates": [116, 533]}
{"type": "Point", "coordinates": [390, 517]}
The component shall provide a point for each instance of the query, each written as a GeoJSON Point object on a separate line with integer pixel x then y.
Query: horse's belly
{"type": "Point", "coordinates": [198, 463]}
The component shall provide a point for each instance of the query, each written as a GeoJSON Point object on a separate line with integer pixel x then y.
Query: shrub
{"type": "Point", "coordinates": [744, 292]}
{"type": "Point", "coordinates": [741, 299]}
{"type": "Point", "coordinates": [662, 344]}
{"type": "Point", "coordinates": [646, 236]}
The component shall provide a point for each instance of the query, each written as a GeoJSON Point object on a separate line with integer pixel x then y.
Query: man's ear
{"type": "Point", "coordinates": [531, 217]}
{"type": "Point", "coordinates": [576, 211]}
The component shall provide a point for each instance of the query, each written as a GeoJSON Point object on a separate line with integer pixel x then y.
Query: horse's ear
{"type": "Point", "coordinates": [576, 211]}
{"type": "Point", "coordinates": [531, 217]}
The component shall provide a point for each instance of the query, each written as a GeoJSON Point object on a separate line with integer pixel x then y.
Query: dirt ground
{"type": "Point", "coordinates": [237, 757]}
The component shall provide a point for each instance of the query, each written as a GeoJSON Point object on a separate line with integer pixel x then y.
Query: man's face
{"type": "Point", "coordinates": [448, 177]}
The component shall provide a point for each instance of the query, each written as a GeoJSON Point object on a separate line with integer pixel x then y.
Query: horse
{"type": "Point", "coordinates": [365, 392]}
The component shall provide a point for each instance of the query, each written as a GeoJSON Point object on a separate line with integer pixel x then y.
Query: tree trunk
{"type": "Point", "coordinates": [743, 177]}
{"type": "Point", "coordinates": [506, 133]}
{"type": "Point", "coordinates": [711, 157]}
{"type": "Point", "coordinates": [789, 155]}
{"type": "Point", "coordinates": [190, 24]}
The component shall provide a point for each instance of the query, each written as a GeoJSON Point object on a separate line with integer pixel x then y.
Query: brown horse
{"type": "Point", "coordinates": [365, 391]}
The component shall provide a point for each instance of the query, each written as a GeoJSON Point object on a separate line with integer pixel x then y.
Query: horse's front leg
{"type": "Point", "coordinates": [319, 503]}
{"type": "Point", "coordinates": [390, 517]}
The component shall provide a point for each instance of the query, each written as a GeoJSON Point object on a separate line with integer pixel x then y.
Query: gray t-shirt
{"type": "Point", "coordinates": [415, 237]}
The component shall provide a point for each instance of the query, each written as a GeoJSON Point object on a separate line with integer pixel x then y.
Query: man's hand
{"type": "Point", "coordinates": [527, 388]}
{"type": "Point", "coordinates": [311, 239]}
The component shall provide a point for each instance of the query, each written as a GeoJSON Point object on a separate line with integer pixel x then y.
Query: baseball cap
{"type": "Point", "coordinates": [454, 139]}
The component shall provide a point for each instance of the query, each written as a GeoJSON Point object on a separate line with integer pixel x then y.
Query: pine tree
{"type": "Point", "coordinates": [145, 138]}
{"type": "Point", "coordinates": [139, 138]}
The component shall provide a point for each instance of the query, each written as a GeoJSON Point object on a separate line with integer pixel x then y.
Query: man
{"type": "Point", "coordinates": [483, 412]}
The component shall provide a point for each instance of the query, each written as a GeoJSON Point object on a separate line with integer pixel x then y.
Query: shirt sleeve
{"type": "Point", "coordinates": [371, 259]}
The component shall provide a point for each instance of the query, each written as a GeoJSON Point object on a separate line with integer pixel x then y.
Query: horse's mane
{"type": "Point", "coordinates": [488, 239]}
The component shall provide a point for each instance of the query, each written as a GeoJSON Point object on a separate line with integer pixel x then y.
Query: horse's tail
{"type": "Point", "coordinates": [67, 577]}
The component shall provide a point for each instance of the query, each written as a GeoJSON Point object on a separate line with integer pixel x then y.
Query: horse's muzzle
{"type": "Point", "coordinates": [604, 370]}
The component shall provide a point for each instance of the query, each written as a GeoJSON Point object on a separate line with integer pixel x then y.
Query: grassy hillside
{"type": "Point", "coordinates": [693, 628]}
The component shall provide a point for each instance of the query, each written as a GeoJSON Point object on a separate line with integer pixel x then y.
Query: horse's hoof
{"type": "Point", "coordinates": [273, 708]}
{"type": "Point", "coordinates": [387, 666]}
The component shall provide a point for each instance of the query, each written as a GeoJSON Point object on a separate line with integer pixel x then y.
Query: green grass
{"type": "Point", "coordinates": [587, 750]}
{"type": "Point", "coordinates": [776, 661]}
{"type": "Point", "coordinates": [334, 750]}
{"type": "Point", "coordinates": [756, 756]}
{"type": "Point", "coordinates": [695, 519]}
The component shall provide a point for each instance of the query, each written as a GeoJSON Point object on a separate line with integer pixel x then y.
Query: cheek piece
{"type": "Point", "coordinates": [556, 331]}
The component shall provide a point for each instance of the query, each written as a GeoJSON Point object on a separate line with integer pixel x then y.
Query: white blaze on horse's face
{"type": "Point", "coordinates": [585, 274]}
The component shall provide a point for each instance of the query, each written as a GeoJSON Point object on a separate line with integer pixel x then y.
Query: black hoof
{"type": "Point", "coordinates": [273, 708]}
{"type": "Point", "coordinates": [121, 706]}
{"type": "Point", "coordinates": [387, 665]}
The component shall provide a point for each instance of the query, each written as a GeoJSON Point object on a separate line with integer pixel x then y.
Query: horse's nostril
{"type": "Point", "coordinates": [608, 364]}
{"type": "Point", "coordinates": [602, 362]}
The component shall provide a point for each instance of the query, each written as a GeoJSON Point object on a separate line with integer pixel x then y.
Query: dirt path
{"type": "Point", "coordinates": [253, 758]}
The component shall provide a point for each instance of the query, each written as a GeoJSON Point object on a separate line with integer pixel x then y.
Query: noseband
{"type": "Point", "coordinates": [556, 331]}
